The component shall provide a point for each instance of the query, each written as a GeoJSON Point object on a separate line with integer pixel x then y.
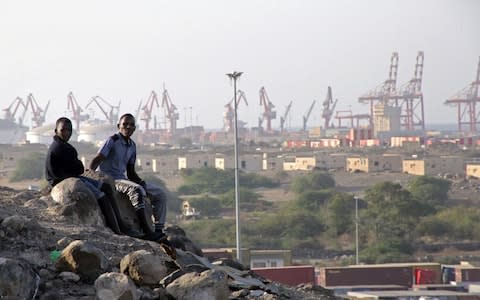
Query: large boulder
{"type": "Point", "coordinates": [84, 259]}
{"type": "Point", "coordinates": [208, 285]}
{"type": "Point", "coordinates": [77, 202]}
{"type": "Point", "coordinates": [18, 280]}
{"type": "Point", "coordinates": [112, 286]}
{"type": "Point", "coordinates": [146, 268]}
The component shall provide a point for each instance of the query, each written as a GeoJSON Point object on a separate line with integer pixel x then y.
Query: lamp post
{"type": "Point", "coordinates": [234, 76]}
{"type": "Point", "coordinates": [356, 229]}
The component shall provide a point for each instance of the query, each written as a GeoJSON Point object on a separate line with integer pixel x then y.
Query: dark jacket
{"type": "Point", "coordinates": [62, 162]}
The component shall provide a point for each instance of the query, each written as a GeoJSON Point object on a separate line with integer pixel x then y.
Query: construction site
{"type": "Point", "coordinates": [394, 113]}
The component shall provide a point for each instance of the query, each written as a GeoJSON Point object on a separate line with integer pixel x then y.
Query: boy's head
{"type": "Point", "coordinates": [63, 128]}
{"type": "Point", "coordinates": [126, 125]}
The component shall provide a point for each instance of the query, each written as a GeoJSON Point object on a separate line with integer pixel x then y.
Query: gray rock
{"type": "Point", "coordinates": [145, 268]}
{"type": "Point", "coordinates": [111, 286]}
{"type": "Point", "coordinates": [69, 276]}
{"type": "Point", "coordinates": [77, 202]}
{"type": "Point", "coordinates": [18, 280]}
{"type": "Point", "coordinates": [84, 259]}
{"type": "Point", "coordinates": [14, 224]}
{"type": "Point", "coordinates": [208, 285]}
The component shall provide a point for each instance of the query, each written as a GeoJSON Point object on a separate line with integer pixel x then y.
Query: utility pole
{"type": "Point", "coordinates": [356, 229]}
{"type": "Point", "coordinates": [234, 76]}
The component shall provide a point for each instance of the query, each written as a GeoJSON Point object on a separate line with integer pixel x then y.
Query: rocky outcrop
{"type": "Point", "coordinates": [59, 257]}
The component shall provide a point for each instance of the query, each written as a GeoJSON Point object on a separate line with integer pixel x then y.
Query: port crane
{"type": "Point", "coordinates": [77, 115]}
{"type": "Point", "coordinates": [112, 114]}
{"type": "Point", "coordinates": [284, 117]}
{"type": "Point", "coordinates": [383, 92]}
{"type": "Point", "coordinates": [466, 101]}
{"type": "Point", "coordinates": [146, 110]}
{"type": "Point", "coordinates": [38, 114]}
{"type": "Point", "coordinates": [12, 110]}
{"type": "Point", "coordinates": [328, 108]}
{"type": "Point", "coordinates": [268, 113]}
{"type": "Point", "coordinates": [409, 97]}
{"type": "Point", "coordinates": [307, 116]}
{"type": "Point", "coordinates": [170, 108]}
{"type": "Point", "coordinates": [228, 115]}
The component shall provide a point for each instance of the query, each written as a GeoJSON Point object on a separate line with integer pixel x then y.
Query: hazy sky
{"type": "Point", "coordinates": [121, 50]}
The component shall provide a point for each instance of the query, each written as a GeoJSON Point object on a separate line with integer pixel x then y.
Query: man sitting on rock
{"type": "Point", "coordinates": [62, 162]}
{"type": "Point", "coordinates": [116, 158]}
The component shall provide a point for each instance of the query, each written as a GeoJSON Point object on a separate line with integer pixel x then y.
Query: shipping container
{"type": "Point", "coordinates": [290, 275]}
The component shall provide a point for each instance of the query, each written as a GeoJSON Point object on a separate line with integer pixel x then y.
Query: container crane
{"type": "Point", "coordinates": [284, 117]}
{"type": "Point", "coordinates": [146, 110]}
{"type": "Point", "coordinates": [409, 97]}
{"type": "Point", "coordinates": [307, 116]}
{"type": "Point", "coordinates": [76, 111]}
{"type": "Point", "coordinates": [466, 101]}
{"type": "Point", "coordinates": [112, 114]}
{"type": "Point", "coordinates": [328, 110]}
{"type": "Point", "coordinates": [12, 110]}
{"type": "Point", "coordinates": [38, 114]}
{"type": "Point", "coordinates": [383, 92]}
{"type": "Point", "coordinates": [170, 109]}
{"type": "Point", "coordinates": [228, 115]}
{"type": "Point", "coordinates": [268, 113]}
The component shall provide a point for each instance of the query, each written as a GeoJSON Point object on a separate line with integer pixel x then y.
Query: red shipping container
{"type": "Point", "coordinates": [291, 275]}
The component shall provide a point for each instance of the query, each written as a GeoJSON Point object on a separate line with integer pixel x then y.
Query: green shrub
{"type": "Point", "coordinates": [31, 167]}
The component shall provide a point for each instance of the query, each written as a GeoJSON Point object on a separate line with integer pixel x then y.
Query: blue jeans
{"type": "Point", "coordinates": [137, 194]}
{"type": "Point", "coordinates": [93, 185]}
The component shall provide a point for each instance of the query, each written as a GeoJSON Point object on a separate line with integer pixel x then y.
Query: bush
{"type": "Point", "coordinates": [206, 205]}
{"type": "Point", "coordinates": [316, 180]}
{"type": "Point", "coordinates": [31, 167]}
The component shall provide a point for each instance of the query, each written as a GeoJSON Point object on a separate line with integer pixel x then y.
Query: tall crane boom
{"type": "Point", "coordinates": [76, 110]}
{"type": "Point", "coordinates": [268, 113]}
{"type": "Point", "coordinates": [12, 109]}
{"type": "Point", "coordinates": [38, 114]}
{"type": "Point", "coordinates": [171, 113]}
{"type": "Point", "coordinates": [147, 109]}
{"type": "Point", "coordinates": [328, 108]}
{"type": "Point", "coordinates": [284, 117]}
{"type": "Point", "coordinates": [228, 115]}
{"type": "Point", "coordinates": [307, 116]}
{"type": "Point", "coordinates": [112, 114]}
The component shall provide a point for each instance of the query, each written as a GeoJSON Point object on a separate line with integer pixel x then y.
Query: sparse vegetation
{"type": "Point", "coordinates": [31, 167]}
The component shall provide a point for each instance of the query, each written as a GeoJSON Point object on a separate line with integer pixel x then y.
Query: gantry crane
{"type": "Point", "coordinates": [307, 116]}
{"type": "Point", "coordinates": [268, 113]}
{"type": "Point", "coordinates": [147, 109]}
{"type": "Point", "coordinates": [228, 115]}
{"type": "Point", "coordinates": [327, 111]}
{"type": "Point", "coordinates": [12, 110]}
{"type": "Point", "coordinates": [112, 114]}
{"type": "Point", "coordinates": [284, 117]}
{"type": "Point", "coordinates": [170, 108]}
{"type": "Point", "coordinates": [383, 92]}
{"type": "Point", "coordinates": [76, 111]}
{"type": "Point", "coordinates": [38, 114]}
{"type": "Point", "coordinates": [409, 97]}
{"type": "Point", "coordinates": [466, 101]}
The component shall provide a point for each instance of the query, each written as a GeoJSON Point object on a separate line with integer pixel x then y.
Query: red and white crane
{"type": "Point", "coordinates": [38, 114]}
{"type": "Point", "coordinates": [268, 113]}
{"type": "Point", "coordinates": [12, 110]}
{"type": "Point", "coordinates": [170, 111]}
{"type": "Point", "coordinates": [112, 114]}
{"type": "Point", "coordinates": [283, 118]}
{"type": "Point", "coordinates": [76, 110]}
{"type": "Point", "coordinates": [228, 115]}
{"type": "Point", "coordinates": [146, 110]}
{"type": "Point", "coordinates": [466, 102]}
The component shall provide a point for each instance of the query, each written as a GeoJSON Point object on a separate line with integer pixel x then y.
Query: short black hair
{"type": "Point", "coordinates": [62, 120]}
{"type": "Point", "coordinates": [127, 115]}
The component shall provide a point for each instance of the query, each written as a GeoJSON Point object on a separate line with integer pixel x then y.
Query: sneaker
{"type": "Point", "coordinates": [154, 236]}
{"type": "Point", "coordinates": [133, 233]}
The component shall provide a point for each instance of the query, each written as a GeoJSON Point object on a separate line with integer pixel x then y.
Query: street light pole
{"type": "Point", "coordinates": [356, 229]}
{"type": "Point", "coordinates": [234, 76]}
